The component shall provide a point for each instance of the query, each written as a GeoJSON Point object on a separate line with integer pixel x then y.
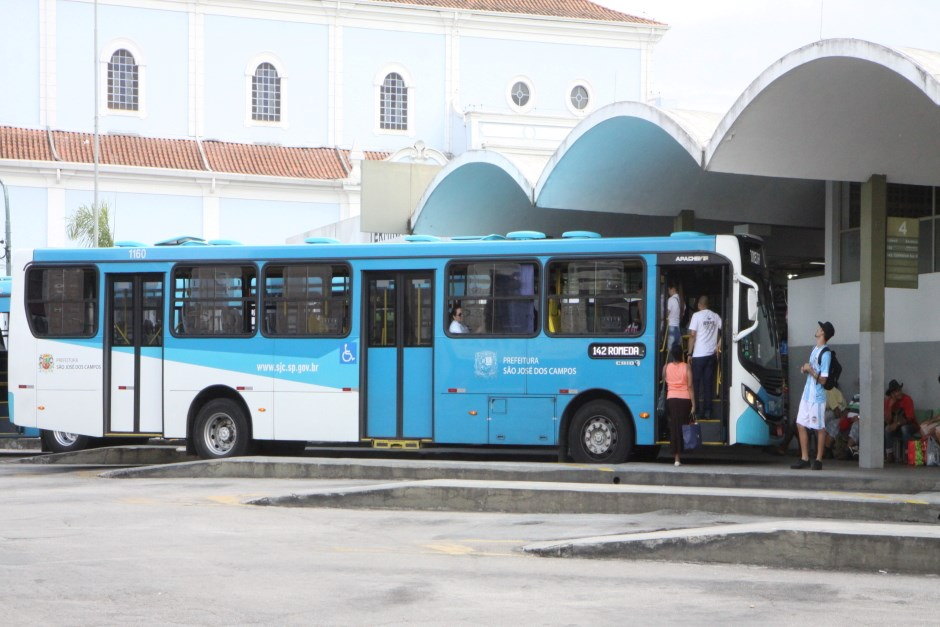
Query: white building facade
{"type": "Point", "coordinates": [248, 85]}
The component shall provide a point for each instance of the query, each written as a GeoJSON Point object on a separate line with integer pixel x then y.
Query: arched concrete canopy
{"type": "Point", "coordinates": [627, 158]}
{"type": "Point", "coordinates": [838, 109]}
{"type": "Point", "coordinates": [632, 158]}
{"type": "Point", "coordinates": [476, 193]}
{"type": "Point", "coordinates": [614, 151]}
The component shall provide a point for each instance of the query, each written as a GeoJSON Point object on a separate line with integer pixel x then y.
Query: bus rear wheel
{"type": "Point", "coordinates": [63, 441]}
{"type": "Point", "coordinates": [600, 434]}
{"type": "Point", "coordinates": [221, 430]}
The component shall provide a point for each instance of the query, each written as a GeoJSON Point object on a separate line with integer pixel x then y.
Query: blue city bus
{"type": "Point", "coordinates": [233, 347]}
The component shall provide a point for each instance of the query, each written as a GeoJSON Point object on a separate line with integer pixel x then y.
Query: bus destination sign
{"type": "Point", "coordinates": [616, 350]}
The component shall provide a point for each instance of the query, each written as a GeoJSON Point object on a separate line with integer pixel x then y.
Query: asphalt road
{"type": "Point", "coordinates": [78, 549]}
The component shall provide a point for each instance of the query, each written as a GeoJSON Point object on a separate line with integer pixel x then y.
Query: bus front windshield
{"type": "Point", "coordinates": [761, 348]}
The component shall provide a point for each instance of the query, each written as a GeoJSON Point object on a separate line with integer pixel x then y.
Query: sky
{"type": "Point", "coordinates": [715, 48]}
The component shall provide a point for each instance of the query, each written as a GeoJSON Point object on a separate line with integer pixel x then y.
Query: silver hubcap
{"type": "Point", "coordinates": [220, 433]}
{"type": "Point", "coordinates": [600, 435]}
{"type": "Point", "coordinates": [63, 438]}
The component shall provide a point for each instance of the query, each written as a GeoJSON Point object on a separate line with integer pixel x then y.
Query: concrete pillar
{"type": "Point", "coordinates": [685, 221]}
{"type": "Point", "coordinates": [871, 370]}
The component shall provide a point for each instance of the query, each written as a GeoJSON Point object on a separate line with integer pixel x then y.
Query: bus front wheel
{"type": "Point", "coordinates": [63, 441]}
{"type": "Point", "coordinates": [221, 430]}
{"type": "Point", "coordinates": [600, 434]}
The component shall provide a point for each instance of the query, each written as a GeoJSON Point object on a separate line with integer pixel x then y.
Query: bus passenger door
{"type": "Point", "coordinates": [711, 277]}
{"type": "Point", "coordinates": [133, 369]}
{"type": "Point", "coordinates": [399, 356]}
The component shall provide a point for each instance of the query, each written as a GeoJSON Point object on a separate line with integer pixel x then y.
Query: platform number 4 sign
{"type": "Point", "coordinates": [901, 252]}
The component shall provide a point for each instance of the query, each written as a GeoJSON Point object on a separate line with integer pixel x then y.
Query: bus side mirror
{"type": "Point", "coordinates": [751, 304]}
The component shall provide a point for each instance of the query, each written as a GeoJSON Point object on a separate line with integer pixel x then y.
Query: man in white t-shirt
{"type": "Point", "coordinates": [704, 338]}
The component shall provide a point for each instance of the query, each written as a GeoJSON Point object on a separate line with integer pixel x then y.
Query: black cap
{"type": "Point", "coordinates": [893, 386]}
{"type": "Point", "coordinates": [828, 330]}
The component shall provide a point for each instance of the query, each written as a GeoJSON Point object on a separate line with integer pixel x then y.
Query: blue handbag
{"type": "Point", "coordinates": [691, 436]}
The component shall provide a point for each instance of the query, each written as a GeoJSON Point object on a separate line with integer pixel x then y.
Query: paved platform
{"type": "Point", "coordinates": [757, 510]}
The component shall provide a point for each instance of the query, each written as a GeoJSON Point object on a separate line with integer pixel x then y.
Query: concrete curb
{"type": "Point", "coordinates": [19, 444]}
{"type": "Point", "coordinates": [815, 544]}
{"type": "Point", "coordinates": [114, 456]}
{"type": "Point", "coordinates": [895, 480]}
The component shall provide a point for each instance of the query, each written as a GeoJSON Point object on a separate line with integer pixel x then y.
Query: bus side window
{"type": "Point", "coordinates": [215, 300]}
{"type": "Point", "coordinates": [306, 300]}
{"type": "Point", "coordinates": [595, 297]}
{"type": "Point", "coordinates": [497, 298]}
{"type": "Point", "coordinates": [62, 302]}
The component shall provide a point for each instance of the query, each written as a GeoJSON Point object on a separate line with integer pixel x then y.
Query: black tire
{"type": "Point", "coordinates": [63, 442]}
{"type": "Point", "coordinates": [221, 430]}
{"type": "Point", "coordinates": [600, 434]}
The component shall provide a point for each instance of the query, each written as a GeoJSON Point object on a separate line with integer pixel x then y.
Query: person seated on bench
{"type": "Point", "coordinates": [835, 412]}
{"type": "Point", "coordinates": [900, 420]}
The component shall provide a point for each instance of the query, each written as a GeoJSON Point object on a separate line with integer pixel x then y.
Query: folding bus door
{"type": "Point", "coordinates": [399, 354]}
{"type": "Point", "coordinates": [133, 369]}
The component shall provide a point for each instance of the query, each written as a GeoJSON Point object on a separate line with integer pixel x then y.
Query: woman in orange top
{"type": "Point", "coordinates": [680, 403]}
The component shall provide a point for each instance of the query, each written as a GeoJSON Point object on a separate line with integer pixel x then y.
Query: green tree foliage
{"type": "Point", "coordinates": [80, 226]}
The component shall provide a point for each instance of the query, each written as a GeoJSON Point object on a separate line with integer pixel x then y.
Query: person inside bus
{"type": "Point", "coordinates": [674, 306]}
{"type": "Point", "coordinates": [900, 420]}
{"type": "Point", "coordinates": [704, 339]}
{"type": "Point", "coordinates": [456, 321]}
{"type": "Point", "coordinates": [680, 402]}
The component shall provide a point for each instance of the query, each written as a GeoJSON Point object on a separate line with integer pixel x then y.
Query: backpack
{"type": "Point", "coordinates": [835, 368]}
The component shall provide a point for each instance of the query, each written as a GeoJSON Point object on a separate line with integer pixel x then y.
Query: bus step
{"type": "Point", "coordinates": [712, 431]}
{"type": "Point", "coordinates": [400, 444]}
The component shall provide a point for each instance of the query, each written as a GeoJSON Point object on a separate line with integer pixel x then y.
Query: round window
{"type": "Point", "coordinates": [579, 97]}
{"type": "Point", "coordinates": [520, 94]}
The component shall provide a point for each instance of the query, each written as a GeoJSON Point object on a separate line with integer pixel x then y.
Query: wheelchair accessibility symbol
{"type": "Point", "coordinates": [348, 354]}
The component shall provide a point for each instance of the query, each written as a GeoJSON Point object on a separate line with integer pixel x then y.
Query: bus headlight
{"type": "Point", "coordinates": [752, 399]}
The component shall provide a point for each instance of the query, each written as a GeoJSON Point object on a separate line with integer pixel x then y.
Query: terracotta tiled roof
{"type": "Point", "coordinates": [575, 9]}
{"type": "Point", "coordinates": [303, 163]}
{"type": "Point", "coordinates": [21, 143]}
{"type": "Point", "coordinates": [178, 154]}
{"type": "Point", "coordinates": [144, 152]}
